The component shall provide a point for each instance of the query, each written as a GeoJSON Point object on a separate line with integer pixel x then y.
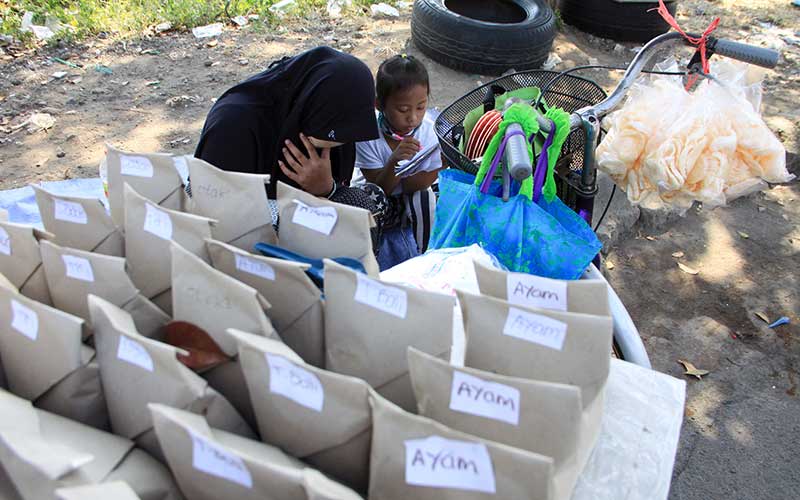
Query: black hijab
{"type": "Point", "coordinates": [322, 92]}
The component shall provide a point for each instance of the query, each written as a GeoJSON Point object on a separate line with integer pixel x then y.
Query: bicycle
{"type": "Point", "coordinates": [587, 104]}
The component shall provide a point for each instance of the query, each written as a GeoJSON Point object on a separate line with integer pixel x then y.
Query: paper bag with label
{"type": "Point", "coordinates": [116, 490]}
{"type": "Point", "coordinates": [538, 344]}
{"type": "Point", "coordinates": [21, 261]}
{"type": "Point", "coordinates": [41, 452]}
{"type": "Point", "coordinates": [578, 296]}
{"type": "Point", "coordinates": [72, 275]}
{"type": "Point", "coordinates": [416, 457]}
{"type": "Point", "coordinates": [6, 284]}
{"type": "Point", "coordinates": [46, 362]}
{"type": "Point", "coordinates": [210, 464]}
{"type": "Point", "coordinates": [238, 201]}
{"type": "Point", "coordinates": [148, 232]}
{"type": "Point", "coordinates": [136, 370]}
{"type": "Point", "coordinates": [297, 308]}
{"type": "Point", "coordinates": [80, 223]}
{"type": "Point", "coordinates": [322, 229]}
{"type": "Point", "coordinates": [369, 325]}
{"type": "Point", "coordinates": [541, 417]}
{"type": "Point", "coordinates": [318, 416]}
{"type": "Point", "coordinates": [152, 175]}
{"type": "Point", "coordinates": [214, 301]}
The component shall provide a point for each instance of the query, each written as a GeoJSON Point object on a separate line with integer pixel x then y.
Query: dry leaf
{"type": "Point", "coordinates": [678, 255]}
{"type": "Point", "coordinates": [687, 269]}
{"type": "Point", "coordinates": [650, 238]}
{"type": "Point", "coordinates": [693, 370]}
{"type": "Point", "coordinates": [762, 316]}
{"type": "Point", "coordinates": [609, 265]}
{"type": "Point", "coordinates": [743, 234]}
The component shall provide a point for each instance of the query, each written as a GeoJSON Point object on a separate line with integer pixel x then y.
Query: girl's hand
{"type": "Point", "coordinates": [406, 150]}
{"type": "Point", "coordinates": [310, 171]}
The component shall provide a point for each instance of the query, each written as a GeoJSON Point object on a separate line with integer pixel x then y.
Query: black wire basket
{"type": "Point", "coordinates": [568, 92]}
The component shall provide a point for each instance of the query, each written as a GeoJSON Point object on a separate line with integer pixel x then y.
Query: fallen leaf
{"type": "Point", "coordinates": [687, 269]}
{"type": "Point", "coordinates": [212, 44]}
{"type": "Point", "coordinates": [743, 234]}
{"type": "Point", "coordinates": [692, 370]}
{"type": "Point", "coordinates": [762, 316]}
{"type": "Point", "coordinates": [650, 238]}
{"type": "Point", "coordinates": [678, 255]}
{"type": "Point", "coordinates": [609, 265]}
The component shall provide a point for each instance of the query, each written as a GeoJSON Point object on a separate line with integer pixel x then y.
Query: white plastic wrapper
{"type": "Point", "coordinates": [667, 148]}
{"type": "Point", "coordinates": [635, 452]}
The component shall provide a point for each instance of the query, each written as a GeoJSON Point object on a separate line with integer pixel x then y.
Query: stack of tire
{"type": "Point", "coordinates": [618, 20]}
{"type": "Point", "coordinates": [490, 37]}
{"type": "Point", "coordinates": [486, 37]}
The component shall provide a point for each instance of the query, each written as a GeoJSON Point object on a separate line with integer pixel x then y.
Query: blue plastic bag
{"type": "Point", "coordinates": [541, 238]}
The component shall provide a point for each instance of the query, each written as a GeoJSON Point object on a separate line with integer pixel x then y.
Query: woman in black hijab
{"type": "Point", "coordinates": [298, 121]}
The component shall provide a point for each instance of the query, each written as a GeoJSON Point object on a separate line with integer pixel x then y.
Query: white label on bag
{"type": "Point", "coordinates": [446, 463]}
{"type": "Point", "coordinates": [5, 242]}
{"type": "Point", "coordinates": [254, 267]}
{"type": "Point", "coordinates": [133, 352]}
{"type": "Point", "coordinates": [535, 328]}
{"type": "Point", "coordinates": [386, 298]}
{"type": "Point", "coordinates": [70, 211]}
{"type": "Point", "coordinates": [24, 320]}
{"type": "Point", "coordinates": [534, 291]}
{"type": "Point", "coordinates": [479, 397]}
{"type": "Point", "coordinates": [78, 268]}
{"type": "Point", "coordinates": [157, 222]}
{"type": "Point", "coordinates": [295, 383]}
{"type": "Point", "coordinates": [216, 461]}
{"type": "Point", "coordinates": [135, 166]}
{"type": "Point", "coordinates": [319, 219]}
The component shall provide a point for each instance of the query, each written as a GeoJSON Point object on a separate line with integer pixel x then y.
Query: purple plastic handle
{"type": "Point", "coordinates": [541, 164]}
{"type": "Point", "coordinates": [487, 181]}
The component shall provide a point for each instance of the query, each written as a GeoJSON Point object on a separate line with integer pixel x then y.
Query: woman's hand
{"type": "Point", "coordinates": [310, 171]}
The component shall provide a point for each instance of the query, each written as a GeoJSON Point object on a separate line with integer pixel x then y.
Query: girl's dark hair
{"type": "Point", "coordinates": [399, 73]}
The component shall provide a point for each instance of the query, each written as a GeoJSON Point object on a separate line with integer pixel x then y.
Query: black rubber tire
{"type": "Point", "coordinates": [483, 47]}
{"type": "Point", "coordinates": [621, 21]}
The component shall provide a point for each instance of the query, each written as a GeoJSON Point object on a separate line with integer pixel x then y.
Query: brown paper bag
{"type": "Point", "coordinates": [72, 275]}
{"type": "Point", "coordinates": [148, 232]}
{"type": "Point", "coordinates": [297, 308]}
{"type": "Point", "coordinates": [318, 228]}
{"type": "Point", "coordinates": [578, 296]}
{"type": "Point", "coordinates": [538, 344]}
{"type": "Point", "coordinates": [21, 261]}
{"type": "Point", "coordinates": [41, 452]}
{"type": "Point", "coordinates": [136, 370]}
{"type": "Point", "coordinates": [45, 361]}
{"type": "Point", "coordinates": [152, 175]}
{"type": "Point", "coordinates": [318, 416]}
{"type": "Point", "coordinates": [210, 464]}
{"type": "Point", "coordinates": [214, 301]}
{"type": "Point", "coordinates": [6, 284]}
{"type": "Point", "coordinates": [238, 201]}
{"type": "Point", "coordinates": [369, 325]}
{"type": "Point", "coordinates": [416, 457]}
{"type": "Point", "coordinates": [116, 490]}
{"type": "Point", "coordinates": [541, 417]}
{"type": "Point", "coordinates": [80, 223]}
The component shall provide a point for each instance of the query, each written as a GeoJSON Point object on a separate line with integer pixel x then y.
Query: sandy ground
{"type": "Point", "coordinates": [741, 431]}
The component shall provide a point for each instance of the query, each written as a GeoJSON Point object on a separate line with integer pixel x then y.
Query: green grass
{"type": "Point", "coordinates": [126, 18]}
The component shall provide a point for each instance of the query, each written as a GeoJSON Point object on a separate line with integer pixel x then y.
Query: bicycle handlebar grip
{"type": "Point", "coordinates": [516, 157]}
{"type": "Point", "coordinates": [759, 56]}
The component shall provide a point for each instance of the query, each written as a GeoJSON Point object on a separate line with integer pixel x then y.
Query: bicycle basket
{"type": "Point", "coordinates": [568, 92]}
